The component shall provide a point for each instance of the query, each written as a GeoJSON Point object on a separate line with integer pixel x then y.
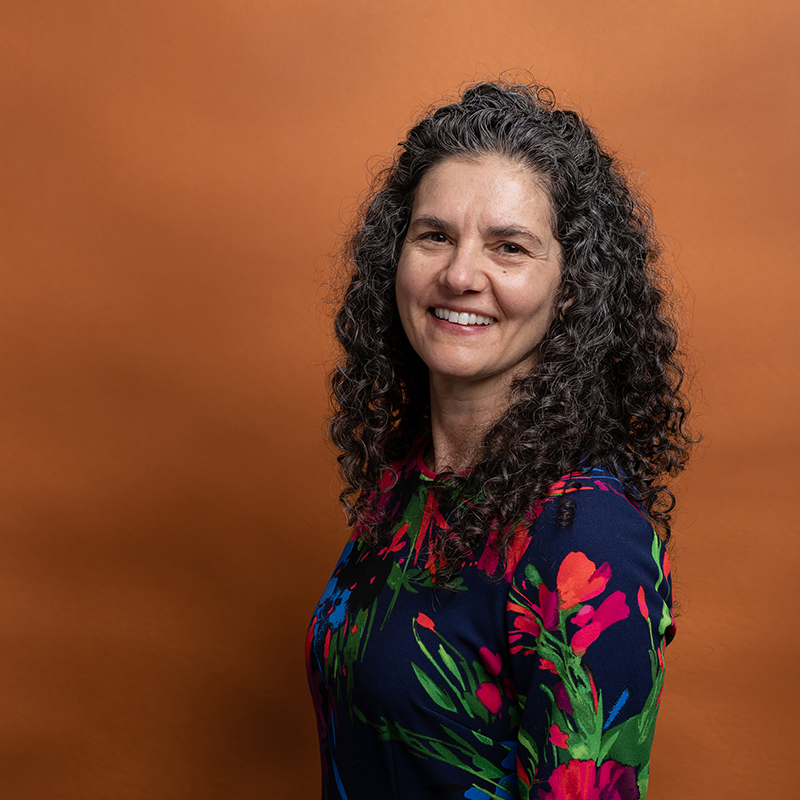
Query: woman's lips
{"type": "Point", "coordinates": [462, 317]}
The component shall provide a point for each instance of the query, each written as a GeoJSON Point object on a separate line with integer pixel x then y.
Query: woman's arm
{"type": "Point", "coordinates": [589, 615]}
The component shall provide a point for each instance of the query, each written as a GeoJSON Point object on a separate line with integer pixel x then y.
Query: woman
{"type": "Point", "coordinates": [507, 407]}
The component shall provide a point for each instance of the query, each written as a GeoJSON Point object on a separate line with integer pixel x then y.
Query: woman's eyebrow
{"type": "Point", "coordinates": [511, 232]}
{"type": "Point", "coordinates": [499, 232]}
{"type": "Point", "coordinates": [427, 221]}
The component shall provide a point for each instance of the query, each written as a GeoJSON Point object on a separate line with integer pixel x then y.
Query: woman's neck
{"type": "Point", "coordinates": [460, 417]}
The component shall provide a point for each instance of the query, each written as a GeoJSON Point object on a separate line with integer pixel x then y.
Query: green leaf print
{"type": "Point", "coordinates": [435, 692]}
{"type": "Point", "coordinates": [447, 660]}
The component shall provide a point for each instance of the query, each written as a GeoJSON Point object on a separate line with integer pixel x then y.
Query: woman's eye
{"type": "Point", "coordinates": [435, 236]}
{"type": "Point", "coordinates": [511, 249]}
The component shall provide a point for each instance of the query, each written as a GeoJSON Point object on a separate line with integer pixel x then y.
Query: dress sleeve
{"type": "Point", "coordinates": [588, 616]}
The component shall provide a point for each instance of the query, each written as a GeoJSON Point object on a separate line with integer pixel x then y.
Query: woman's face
{"type": "Point", "coordinates": [478, 272]}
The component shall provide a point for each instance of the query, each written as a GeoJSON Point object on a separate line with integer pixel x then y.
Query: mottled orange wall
{"type": "Point", "coordinates": [173, 177]}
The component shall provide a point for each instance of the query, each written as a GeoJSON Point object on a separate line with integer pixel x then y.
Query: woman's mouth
{"type": "Point", "coordinates": [462, 317]}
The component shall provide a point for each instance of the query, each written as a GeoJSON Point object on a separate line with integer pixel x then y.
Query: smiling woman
{"type": "Point", "coordinates": [508, 411]}
{"type": "Point", "coordinates": [479, 244]}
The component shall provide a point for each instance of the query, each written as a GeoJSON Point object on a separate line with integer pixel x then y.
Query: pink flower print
{"type": "Point", "coordinates": [642, 603]}
{"type": "Point", "coordinates": [491, 661]}
{"type": "Point", "coordinates": [425, 621]}
{"type": "Point", "coordinates": [562, 698]}
{"type": "Point", "coordinates": [490, 696]}
{"type": "Point", "coordinates": [490, 558]}
{"type": "Point", "coordinates": [510, 689]}
{"type": "Point", "coordinates": [548, 607]}
{"type": "Point", "coordinates": [583, 779]}
{"type": "Point", "coordinates": [666, 564]}
{"type": "Point", "coordinates": [580, 580]}
{"type": "Point", "coordinates": [669, 631]}
{"type": "Point", "coordinates": [558, 737]}
{"type": "Point", "coordinates": [533, 511]}
{"type": "Point", "coordinates": [593, 623]}
{"type": "Point", "coordinates": [584, 616]}
{"type": "Point", "coordinates": [387, 479]}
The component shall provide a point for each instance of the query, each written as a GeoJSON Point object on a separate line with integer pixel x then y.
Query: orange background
{"type": "Point", "coordinates": [174, 175]}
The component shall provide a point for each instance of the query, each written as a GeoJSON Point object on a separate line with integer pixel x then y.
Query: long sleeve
{"type": "Point", "coordinates": [588, 616]}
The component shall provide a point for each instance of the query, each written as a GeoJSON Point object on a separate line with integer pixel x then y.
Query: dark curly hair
{"type": "Point", "coordinates": [606, 388]}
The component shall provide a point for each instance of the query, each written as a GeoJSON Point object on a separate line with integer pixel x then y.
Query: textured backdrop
{"type": "Point", "coordinates": [173, 176]}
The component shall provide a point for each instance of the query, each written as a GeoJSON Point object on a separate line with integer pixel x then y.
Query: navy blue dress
{"type": "Point", "coordinates": [539, 678]}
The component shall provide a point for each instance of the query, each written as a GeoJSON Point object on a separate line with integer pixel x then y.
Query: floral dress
{"type": "Point", "coordinates": [540, 682]}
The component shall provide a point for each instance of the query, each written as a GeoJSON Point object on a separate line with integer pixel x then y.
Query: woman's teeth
{"type": "Point", "coordinates": [462, 318]}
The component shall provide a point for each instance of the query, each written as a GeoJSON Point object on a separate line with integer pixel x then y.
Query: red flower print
{"type": "Point", "coordinates": [397, 543]}
{"type": "Point", "coordinates": [579, 580]}
{"type": "Point", "coordinates": [491, 661]}
{"type": "Point", "coordinates": [425, 621]}
{"type": "Point", "coordinates": [527, 624]}
{"type": "Point", "coordinates": [489, 695]}
{"type": "Point", "coordinates": [558, 737]}
{"type": "Point", "coordinates": [593, 623]}
{"type": "Point", "coordinates": [516, 549]}
{"type": "Point", "coordinates": [434, 562]}
{"type": "Point", "coordinates": [521, 774]}
{"type": "Point", "coordinates": [666, 565]}
{"type": "Point", "coordinates": [642, 603]}
{"type": "Point", "coordinates": [548, 665]}
{"type": "Point", "coordinates": [525, 620]}
{"type": "Point", "coordinates": [582, 779]}
{"type": "Point", "coordinates": [557, 488]}
{"type": "Point", "coordinates": [430, 512]}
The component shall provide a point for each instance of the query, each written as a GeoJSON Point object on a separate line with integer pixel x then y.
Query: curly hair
{"type": "Point", "coordinates": [606, 387]}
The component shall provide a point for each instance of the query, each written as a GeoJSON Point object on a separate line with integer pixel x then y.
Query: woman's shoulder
{"type": "Point", "coordinates": [588, 517]}
{"type": "Point", "coordinates": [588, 501]}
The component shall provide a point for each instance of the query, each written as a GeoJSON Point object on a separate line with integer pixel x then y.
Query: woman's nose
{"type": "Point", "coordinates": [464, 272]}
